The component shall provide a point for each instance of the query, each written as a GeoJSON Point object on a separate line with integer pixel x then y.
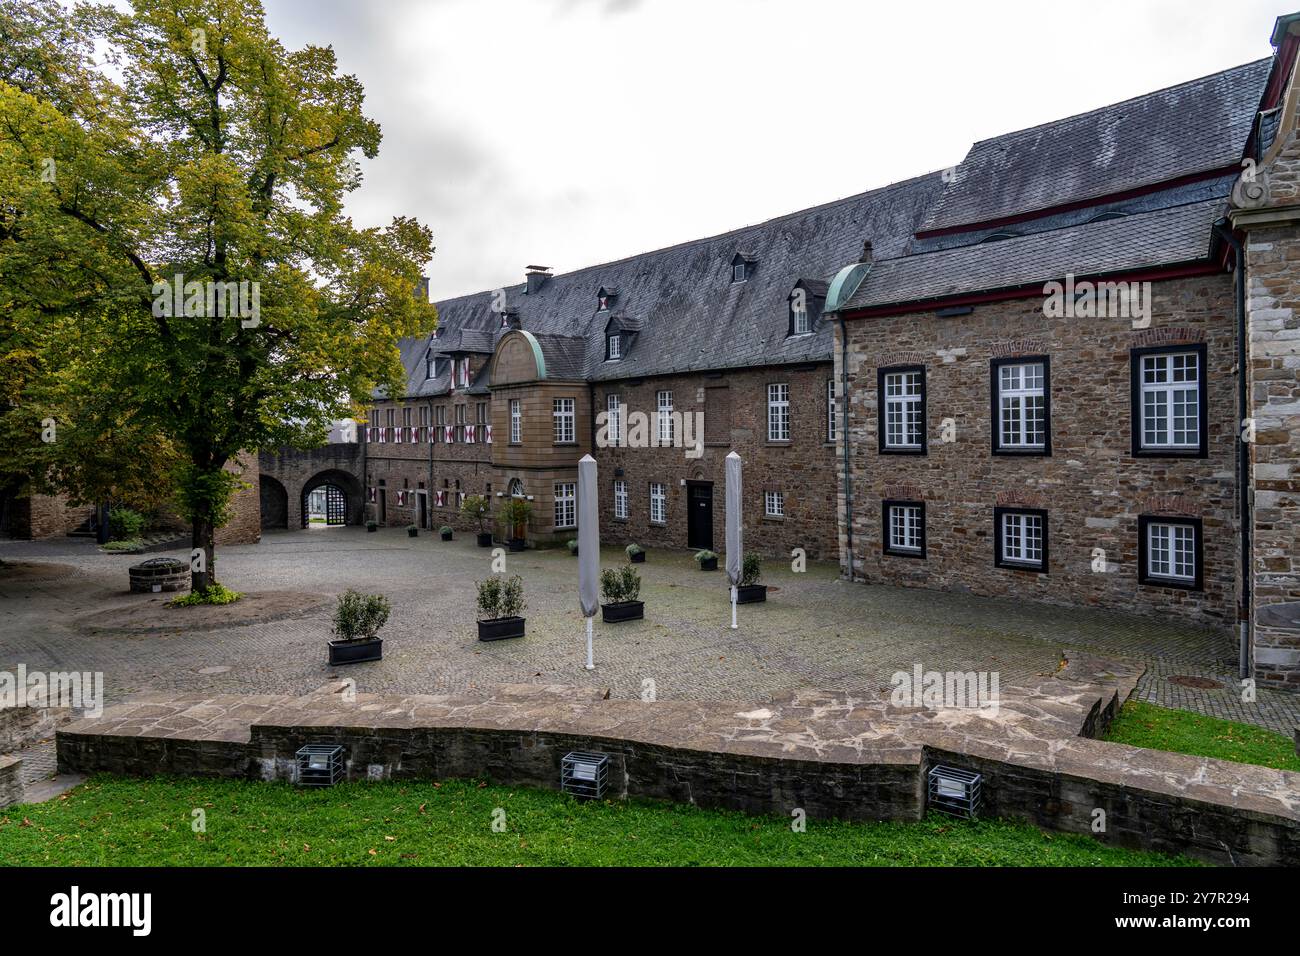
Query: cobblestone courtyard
{"type": "Point", "coordinates": [66, 606]}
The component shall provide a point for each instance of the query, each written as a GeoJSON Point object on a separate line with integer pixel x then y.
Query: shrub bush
{"type": "Point", "coordinates": [477, 507]}
{"type": "Point", "coordinates": [358, 617]}
{"type": "Point", "coordinates": [125, 524]}
{"type": "Point", "coordinates": [702, 556]}
{"type": "Point", "coordinates": [501, 597]}
{"type": "Point", "coordinates": [619, 585]}
{"type": "Point", "coordinates": [632, 549]}
{"type": "Point", "coordinates": [215, 594]}
{"type": "Point", "coordinates": [751, 570]}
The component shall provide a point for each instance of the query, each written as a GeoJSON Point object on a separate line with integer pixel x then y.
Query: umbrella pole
{"type": "Point", "coordinates": [733, 607]}
{"type": "Point", "coordinates": [590, 664]}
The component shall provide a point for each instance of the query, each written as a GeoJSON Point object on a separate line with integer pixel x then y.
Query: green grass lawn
{"type": "Point", "coordinates": [1180, 731]}
{"type": "Point", "coordinates": [112, 821]}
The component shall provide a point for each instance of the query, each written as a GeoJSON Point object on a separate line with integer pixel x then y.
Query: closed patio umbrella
{"type": "Point", "coordinates": [735, 548]}
{"type": "Point", "coordinates": [588, 546]}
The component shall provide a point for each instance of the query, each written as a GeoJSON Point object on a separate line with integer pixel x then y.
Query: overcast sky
{"type": "Point", "coordinates": [571, 132]}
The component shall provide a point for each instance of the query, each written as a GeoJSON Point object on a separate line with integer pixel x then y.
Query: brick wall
{"type": "Point", "coordinates": [1091, 485]}
{"type": "Point", "coordinates": [734, 404]}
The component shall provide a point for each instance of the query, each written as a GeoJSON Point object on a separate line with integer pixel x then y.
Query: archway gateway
{"type": "Point", "coordinates": [327, 501]}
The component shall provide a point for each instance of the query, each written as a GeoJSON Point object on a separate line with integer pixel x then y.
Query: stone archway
{"type": "Point", "coordinates": [274, 502]}
{"type": "Point", "coordinates": [344, 498]}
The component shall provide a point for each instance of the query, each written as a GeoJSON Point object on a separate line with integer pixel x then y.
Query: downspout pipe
{"type": "Point", "coordinates": [844, 432]}
{"type": "Point", "coordinates": [1224, 230]}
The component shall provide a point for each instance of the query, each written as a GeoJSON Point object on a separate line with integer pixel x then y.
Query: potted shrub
{"type": "Point", "coordinates": [635, 554]}
{"type": "Point", "coordinates": [621, 589]}
{"type": "Point", "coordinates": [445, 532]}
{"type": "Point", "coordinates": [412, 531]}
{"type": "Point", "coordinates": [514, 517]}
{"type": "Point", "coordinates": [499, 602]}
{"type": "Point", "coordinates": [372, 525]}
{"type": "Point", "coordinates": [707, 560]}
{"type": "Point", "coordinates": [573, 547]}
{"type": "Point", "coordinates": [357, 620]}
{"type": "Point", "coordinates": [750, 591]}
{"type": "Point", "coordinates": [479, 509]}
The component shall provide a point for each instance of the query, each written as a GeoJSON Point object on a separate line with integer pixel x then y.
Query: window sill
{"type": "Point", "coordinates": [903, 451]}
{"type": "Point", "coordinates": [1017, 566]}
{"type": "Point", "coordinates": [658, 524]}
{"type": "Point", "coordinates": [1177, 584]}
{"type": "Point", "coordinates": [779, 443]}
{"type": "Point", "coordinates": [902, 553]}
{"type": "Point", "coordinates": [774, 519]}
{"type": "Point", "coordinates": [1170, 453]}
{"type": "Point", "coordinates": [1023, 452]}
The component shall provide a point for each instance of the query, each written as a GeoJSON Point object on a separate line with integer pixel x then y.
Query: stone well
{"type": "Point", "coordinates": [160, 574]}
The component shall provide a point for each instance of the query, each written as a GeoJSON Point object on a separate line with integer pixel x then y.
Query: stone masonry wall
{"type": "Point", "coordinates": [1273, 322]}
{"type": "Point", "coordinates": [1091, 485]}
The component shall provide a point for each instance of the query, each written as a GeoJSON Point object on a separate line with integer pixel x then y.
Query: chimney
{"type": "Point", "coordinates": [866, 251]}
{"type": "Point", "coordinates": [535, 277]}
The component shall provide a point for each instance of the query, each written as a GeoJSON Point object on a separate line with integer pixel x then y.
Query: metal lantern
{"type": "Point", "coordinates": [954, 791]}
{"type": "Point", "coordinates": [320, 765]}
{"type": "Point", "coordinates": [584, 774]}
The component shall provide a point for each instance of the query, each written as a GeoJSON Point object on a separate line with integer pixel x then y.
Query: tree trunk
{"type": "Point", "coordinates": [202, 554]}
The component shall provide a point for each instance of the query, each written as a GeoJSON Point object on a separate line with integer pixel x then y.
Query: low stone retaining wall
{"type": "Point", "coordinates": [11, 781]}
{"type": "Point", "coordinates": [828, 754]}
{"type": "Point", "coordinates": [20, 726]}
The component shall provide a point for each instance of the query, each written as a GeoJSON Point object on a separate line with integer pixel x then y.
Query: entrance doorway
{"type": "Point", "coordinates": [699, 515]}
{"type": "Point", "coordinates": [423, 500]}
{"type": "Point", "coordinates": [325, 505]}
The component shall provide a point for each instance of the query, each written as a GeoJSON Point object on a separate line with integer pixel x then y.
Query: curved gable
{"type": "Point", "coordinates": [518, 358]}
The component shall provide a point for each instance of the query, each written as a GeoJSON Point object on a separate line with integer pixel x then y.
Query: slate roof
{"type": "Point", "coordinates": [1180, 234]}
{"type": "Point", "coordinates": [1182, 130]}
{"type": "Point", "coordinates": [688, 314]}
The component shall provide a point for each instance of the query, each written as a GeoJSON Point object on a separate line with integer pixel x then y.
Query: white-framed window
{"type": "Point", "coordinates": [738, 272]}
{"type": "Point", "coordinates": [516, 421]}
{"type": "Point", "coordinates": [1169, 405]}
{"type": "Point", "coordinates": [614, 349]}
{"type": "Point", "coordinates": [774, 504]}
{"type": "Point", "coordinates": [800, 315]}
{"type": "Point", "coordinates": [1169, 551]}
{"type": "Point", "coordinates": [902, 410]}
{"type": "Point", "coordinates": [658, 502]}
{"type": "Point", "coordinates": [832, 423]}
{"type": "Point", "coordinates": [566, 504]}
{"type": "Point", "coordinates": [664, 404]}
{"type": "Point", "coordinates": [905, 528]}
{"type": "Point", "coordinates": [614, 420]}
{"type": "Point", "coordinates": [1021, 539]}
{"type": "Point", "coordinates": [778, 412]}
{"type": "Point", "coordinates": [562, 413]}
{"type": "Point", "coordinates": [1021, 406]}
{"type": "Point", "coordinates": [430, 364]}
{"type": "Point", "coordinates": [620, 498]}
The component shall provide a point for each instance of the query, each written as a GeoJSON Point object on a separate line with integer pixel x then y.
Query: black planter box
{"type": "Point", "coordinates": [500, 628]}
{"type": "Point", "coordinates": [485, 539]}
{"type": "Point", "coordinates": [369, 528]}
{"type": "Point", "coordinates": [446, 535]}
{"type": "Point", "coordinates": [356, 652]}
{"type": "Point", "coordinates": [709, 564]}
{"type": "Point", "coordinates": [574, 552]}
{"type": "Point", "coordinates": [751, 594]}
{"type": "Point", "coordinates": [638, 558]}
{"type": "Point", "coordinates": [414, 534]}
{"type": "Point", "coordinates": [622, 611]}
{"type": "Point", "coordinates": [516, 544]}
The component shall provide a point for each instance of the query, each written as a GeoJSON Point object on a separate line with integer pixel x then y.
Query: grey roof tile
{"type": "Point", "coordinates": [1180, 234]}
{"type": "Point", "coordinates": [1186, 129]}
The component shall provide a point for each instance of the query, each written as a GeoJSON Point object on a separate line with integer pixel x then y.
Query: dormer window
{"type": "Point", "coordinates": [807, 299]}
{"type": "Point", "coordinates": [430, 364]}
{"type": "Point", "coordinates": [613, 347]}
{"type": "Point", "coordinates": [742, 267]}
{"type": "Point", "coordinates": [738, 272]}
{"type": "Point", "coordinates": [605, 297]}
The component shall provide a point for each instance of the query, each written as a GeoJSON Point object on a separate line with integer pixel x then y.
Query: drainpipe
{"type": "Point", "coordinates": [428, 485]}
{"type": "Point", "coordinates": [844, 431]}
{"type": "Point", "coordinates": [1222, 227]}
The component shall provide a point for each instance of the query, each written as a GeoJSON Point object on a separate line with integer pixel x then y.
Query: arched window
{"type": "Point", "coordinates": [516, 488]}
